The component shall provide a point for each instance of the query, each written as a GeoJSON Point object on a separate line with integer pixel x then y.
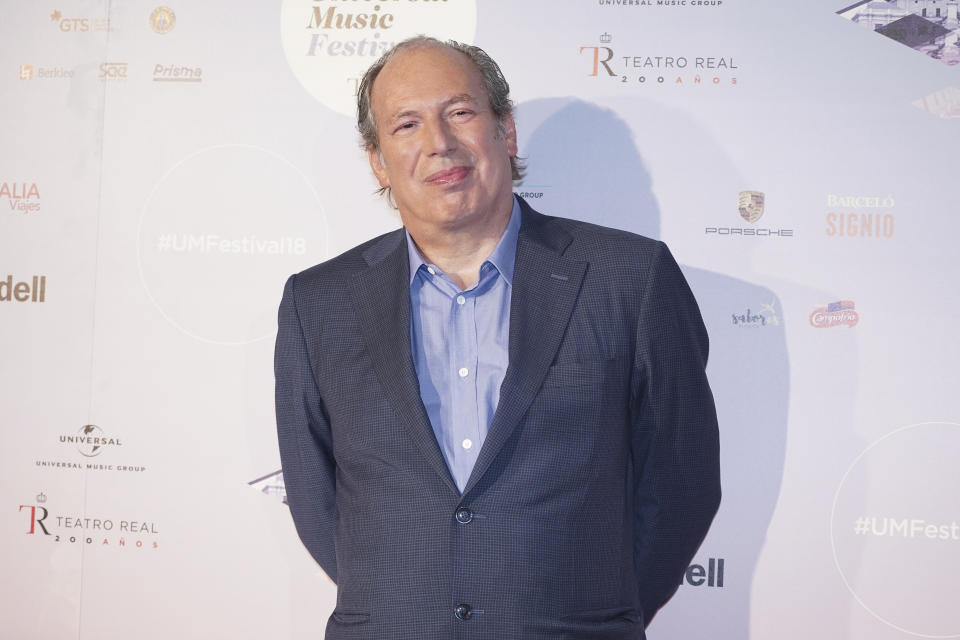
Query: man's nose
{"type": "Point", "coordinates": [440, 139]}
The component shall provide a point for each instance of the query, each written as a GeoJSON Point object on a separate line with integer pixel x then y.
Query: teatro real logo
{"type": "Point", "coordinates": [630, 65]}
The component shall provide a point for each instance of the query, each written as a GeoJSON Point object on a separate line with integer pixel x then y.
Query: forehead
{"type": "Point", "coordinates": [422, 76]}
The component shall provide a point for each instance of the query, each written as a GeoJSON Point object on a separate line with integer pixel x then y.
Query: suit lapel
{"type": "Point", "coordinates": [545, 290]}
{"type": "Point", "coordinates": [381, 298]}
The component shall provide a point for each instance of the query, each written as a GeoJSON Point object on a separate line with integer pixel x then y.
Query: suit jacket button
{"type": "Point", "coordinates": [462, 611]}
{"type": "Point", "coordinates": [464, 515]}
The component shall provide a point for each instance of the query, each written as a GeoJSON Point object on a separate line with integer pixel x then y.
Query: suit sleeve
{"type": "Point", "coordinates": [675, 441]}
{"type": "Point", "coordinates": [303, 430]}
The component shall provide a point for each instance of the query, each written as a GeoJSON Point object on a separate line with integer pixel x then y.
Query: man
{"type": "Point", "coordinates": [493, 424]}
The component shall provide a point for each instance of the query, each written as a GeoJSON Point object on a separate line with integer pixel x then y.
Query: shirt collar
{"type": "Point", "coordinates": [503, 257]}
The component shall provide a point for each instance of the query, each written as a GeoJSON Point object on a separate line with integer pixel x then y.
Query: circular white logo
{"type": "Point", "coordinates": [329, 45]}
{"type": "Point", "coordinates": [218, 236]}
{"type": "Point", "coordinates": [895, 529]}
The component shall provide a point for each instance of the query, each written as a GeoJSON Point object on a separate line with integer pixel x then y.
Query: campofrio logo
{"type": "Point", "coordinates": [836, 314]}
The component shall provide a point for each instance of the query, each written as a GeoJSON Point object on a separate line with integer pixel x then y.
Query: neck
{"type": "Point", "coordinates": [459, 252]}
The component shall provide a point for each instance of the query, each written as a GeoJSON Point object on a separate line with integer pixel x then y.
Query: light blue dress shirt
{"type": "Point", "coordinates": [459, 342]}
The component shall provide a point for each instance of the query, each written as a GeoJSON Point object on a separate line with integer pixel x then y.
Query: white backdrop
{"type": "Point", "coordinates": [164, 168]}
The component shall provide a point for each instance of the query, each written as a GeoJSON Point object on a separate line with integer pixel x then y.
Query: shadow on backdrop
{"type": "Point", "coordinates": [583, 164]}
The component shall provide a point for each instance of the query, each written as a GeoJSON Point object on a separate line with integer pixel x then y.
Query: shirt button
{"type": "Point", "coordinates": [463, 372]}
{"type": "Point", "coordinates": [467, 443]}
{"type": "Point", "coordinates": [461, 299]}
{"type": "Point", "coordinates": [464, 515]}
{"type": "Point", "coordinates": [432, 271]}
{"type": "Point", "coordinates": [462, 611]}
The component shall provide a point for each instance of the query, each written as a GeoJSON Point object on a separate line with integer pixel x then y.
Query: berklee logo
{"type": "Point", "coordinates": [33, 291]}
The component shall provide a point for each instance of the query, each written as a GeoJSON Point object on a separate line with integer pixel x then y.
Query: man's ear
{"type": "Point", "coordinates": [378, 168]}
{"type": "Point", "coordinates": [510, 135]}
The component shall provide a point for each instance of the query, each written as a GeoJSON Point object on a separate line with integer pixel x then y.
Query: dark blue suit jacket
{"type": "Point", "coordinates": [594, 487]}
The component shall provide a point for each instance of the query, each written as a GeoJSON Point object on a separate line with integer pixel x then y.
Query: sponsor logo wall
{"type": "Point", "coordinates": [164, 168]}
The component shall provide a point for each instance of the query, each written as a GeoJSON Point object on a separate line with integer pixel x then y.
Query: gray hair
{"type": "Point", "coordinates": [498, 91]}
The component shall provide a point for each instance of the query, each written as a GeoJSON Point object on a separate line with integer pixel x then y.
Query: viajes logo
{"type": "Point", "coordinates": [22, 197]}
{"type": "Point", "coordinates": [330, 44]}
{"type": "Point", "coordinates": [836, 314]}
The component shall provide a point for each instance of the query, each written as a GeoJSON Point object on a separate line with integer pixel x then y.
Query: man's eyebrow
{"type": "Point", "coordinates": [463, 97]}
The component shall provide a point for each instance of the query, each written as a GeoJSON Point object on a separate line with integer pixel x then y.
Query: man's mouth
{"type": "Point", "coordinates": [448, 176]}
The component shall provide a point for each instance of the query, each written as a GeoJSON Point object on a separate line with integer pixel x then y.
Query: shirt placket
{"type": "Point", "coordinates": [464, 392]}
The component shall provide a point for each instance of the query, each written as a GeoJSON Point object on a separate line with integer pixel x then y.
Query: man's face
{"type": "Point", "coordinates": [442, 153]}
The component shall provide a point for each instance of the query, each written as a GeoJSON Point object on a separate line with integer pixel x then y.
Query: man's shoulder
{"type": "Point", "coordinates": [340, 268]}
{"type": "Point", "coordinates": [589, 241]}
